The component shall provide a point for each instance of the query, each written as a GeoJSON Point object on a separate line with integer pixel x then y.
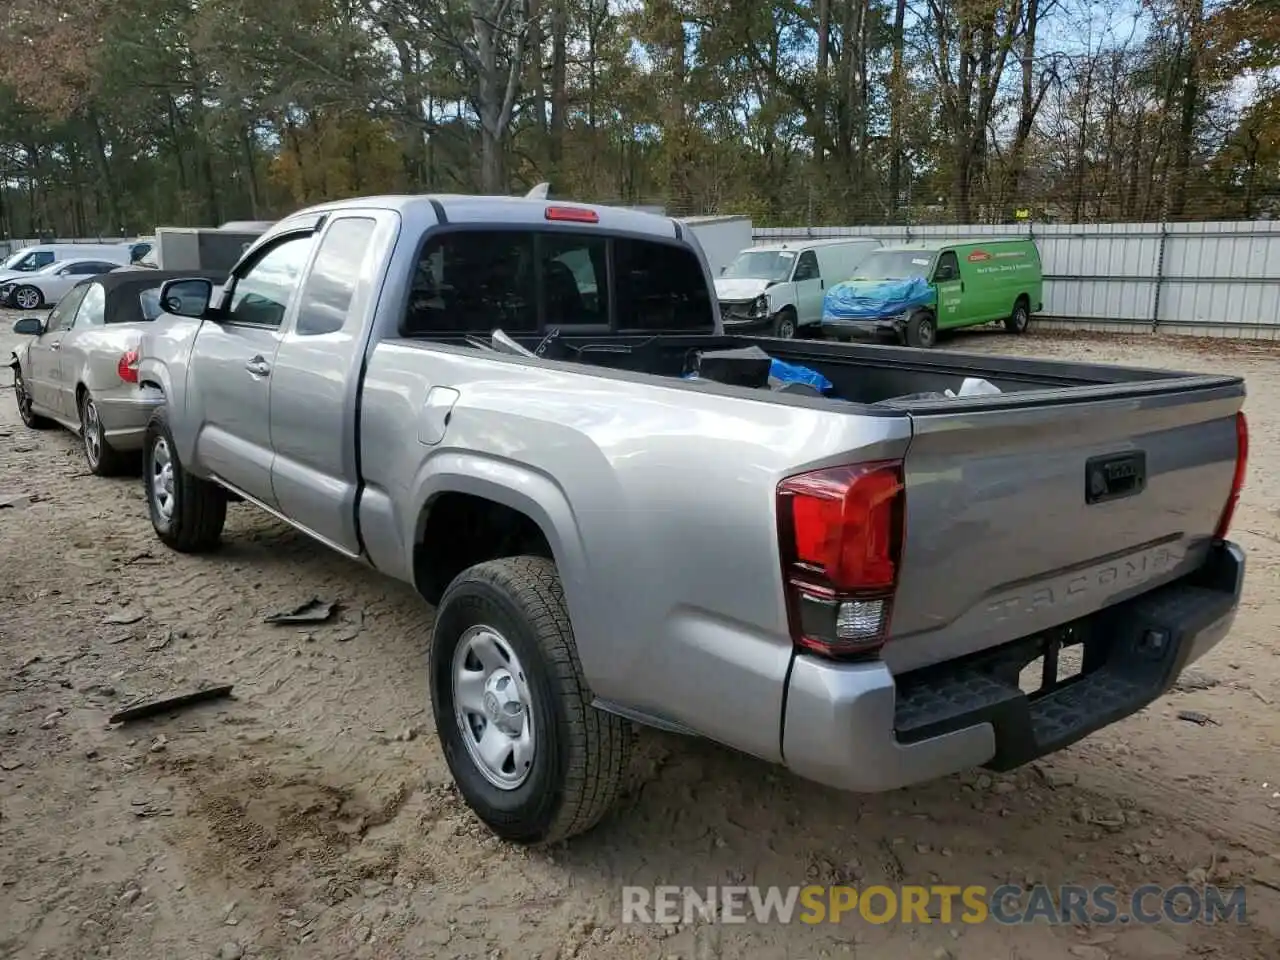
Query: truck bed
{"type": "Point", "coordinates": [1004, 537]}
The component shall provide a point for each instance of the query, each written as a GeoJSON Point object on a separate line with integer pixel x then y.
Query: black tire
{"type": "Point", "coordinates": [922, 330]}
{"type": "Point", "coordinates": [33, 421]}
{"type": "Point", "coordinates": [103, 459]}
{"type": "Point", "coordinates": [29, 292]}
{"type": "Point", "coordinates": [580, 753]}
{"type": "Point", "coordinates": [198, 508]}
{"type": "Point", "coordinates": [784, 325]}
{"type": "Point", "coordinates": [1017, 321]}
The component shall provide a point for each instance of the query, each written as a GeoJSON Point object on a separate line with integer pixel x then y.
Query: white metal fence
{"type": "Point", "coordinates": [1200, 279]}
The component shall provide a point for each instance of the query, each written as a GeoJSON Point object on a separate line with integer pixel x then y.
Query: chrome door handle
{"type": "Point", "coordinates": [55, 345]}
{"type": "Point", "coordinates": [258, 367]}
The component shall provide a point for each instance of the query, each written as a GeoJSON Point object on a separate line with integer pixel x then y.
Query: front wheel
{"type": "Point", "coordinates": [103, 459]}
{"type": "Point", "coordinates": [186, 511]}
{"type": "Point", "coordinates": [27, 297]}
{"type": "Point", "coordinates": [785, 325]}
{"type": "Point", "coordinates": [922, 330]}
{"type": "Point", "coordinates": [26, 411]}
{"type": "Point", "coordinates": [529, 753]}
{"type": "Point", "coordinates": [1017, 321]}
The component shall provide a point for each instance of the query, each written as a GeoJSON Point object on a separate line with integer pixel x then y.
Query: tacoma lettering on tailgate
{"type": "Point", "coordinates": [1111, 577]}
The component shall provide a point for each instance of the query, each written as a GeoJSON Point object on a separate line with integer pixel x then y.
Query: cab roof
{"type": "Point", "coordinates": [811, 244]}
{"type": "Point", "coordinates": [950, 243]}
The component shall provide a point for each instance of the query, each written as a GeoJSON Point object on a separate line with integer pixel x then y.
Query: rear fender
{"type": "Point", "coordinates": [530, 492]}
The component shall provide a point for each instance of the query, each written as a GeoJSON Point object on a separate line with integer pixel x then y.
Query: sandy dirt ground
{"type": "Point", "coordinates": [313, 816]}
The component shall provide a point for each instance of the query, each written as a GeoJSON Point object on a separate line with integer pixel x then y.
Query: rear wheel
{"type": "Point", "coordinates": [785, 325]}
{"type": "Point", "coordinates": [27, 297]}
{"type": "Point", "coordinates": [922, 330]}
{"type": "Point", "coordinates": [530, 754]}
{"type": "Point", "coordinates": [186, 511]}
{"type": "Point", "coordinates": [29, 417]}
{"type": "Point", "coordinates": [103, 459]}
{"type": "Point", "coordinates": [1017, 321]}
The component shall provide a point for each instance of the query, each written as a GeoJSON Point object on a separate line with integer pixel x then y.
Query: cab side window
{"type": "Point", "coordinates": [948, 268]}
{"type": "Point", "coordinates": [807, 267]}
{"type": "Point", "coordinates": [331, 285]}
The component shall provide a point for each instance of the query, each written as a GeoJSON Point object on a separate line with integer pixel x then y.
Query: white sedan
{"type": "Point", "coordinates": [45, 287]}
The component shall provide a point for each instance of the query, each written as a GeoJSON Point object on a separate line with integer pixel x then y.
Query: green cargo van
{"type": "Point", "coordinates": [957, 283]}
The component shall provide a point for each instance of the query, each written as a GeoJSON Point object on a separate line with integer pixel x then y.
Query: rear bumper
{"type": "Point", "coordinates": [857, 727]}
{"type": "Point", "coordinates": [125, 418]}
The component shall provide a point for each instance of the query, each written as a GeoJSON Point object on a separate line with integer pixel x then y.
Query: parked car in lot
{"type": "Point", "coordinates": [80, 367]}
{"type": "Point", "coordinates": [958, 283]}
{"type": "Point", "coordinates": [623, 520]}
{"type": "Point", "coordinates": [47, 286]}
{"type": "Point", "coordinates": [30, 259]}
{"type": "Point", "coordinates": [777, 289]}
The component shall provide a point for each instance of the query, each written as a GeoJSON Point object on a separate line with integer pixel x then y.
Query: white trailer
{"type": "Point", "coordinates": [721, 238]}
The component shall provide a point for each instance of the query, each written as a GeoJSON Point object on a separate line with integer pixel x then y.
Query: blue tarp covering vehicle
{"type": "Point", "coordinates": [873, 299]}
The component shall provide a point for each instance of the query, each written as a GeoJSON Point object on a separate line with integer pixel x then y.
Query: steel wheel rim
{"type": "Point", "coordinates": [926, 333]}
{"type": "Point", "coordinates": [162, 493]}
{"type": "Point", "coordinates": [493, 707]}
{"type": "Point", "coordinates": [92, 430]}
{"type": "Point", "coordinates": [1020, 317]}
{"type": "Point", "coordinates": [27, 299]}
{"type": "Point", "coordinates": [787, 328]}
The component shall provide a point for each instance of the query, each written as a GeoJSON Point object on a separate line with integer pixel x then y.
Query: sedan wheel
{"type": "Point", "coordinates": [28, 298]}
{"type": "Point", "coordinates": [25, 409]}
{"type": "Point", "coordinates": [103, 459]}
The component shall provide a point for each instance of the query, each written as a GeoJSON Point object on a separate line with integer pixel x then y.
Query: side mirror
{"type": "Point", "coordinates": [186, 298]}
{"type": "Point", "coordinates": [29, 326]}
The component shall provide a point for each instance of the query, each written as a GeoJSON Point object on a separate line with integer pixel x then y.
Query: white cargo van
{"type": "Point", "coordinates": [39, 256]}
{"type": "Point", "coordinates": [778, 288]}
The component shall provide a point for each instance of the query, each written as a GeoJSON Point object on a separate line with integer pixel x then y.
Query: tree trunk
{"type": "Point", "coordinates": [897, 93]}
{"type": "Point", "coordinates": [106, 187]}
{"type": "Point", "coordinates": [559, 83]}
{"type": "Point", "coordinates": [251, 170]}
{"type": "Point", "coordinates": [823, 84]}
{"type": "Point", "coordinates": [1032, 95]}
{"type": "Point", "coordinates": [1190, 103]}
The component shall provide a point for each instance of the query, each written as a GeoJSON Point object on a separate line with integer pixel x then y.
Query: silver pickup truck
{"type": "Point", "coordinates": [530, 412]}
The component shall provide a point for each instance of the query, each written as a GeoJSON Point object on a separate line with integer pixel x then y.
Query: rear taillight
{"type": "Point", "coordinates": [1237, 479]}
{"type": "Point", "coordinates": [840, 531]}
{"type": "Point", "coordinates": [127, 368]}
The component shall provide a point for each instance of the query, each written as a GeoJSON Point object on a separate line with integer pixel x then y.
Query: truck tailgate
{"type": "Point", "coordinates": [1026, 511]}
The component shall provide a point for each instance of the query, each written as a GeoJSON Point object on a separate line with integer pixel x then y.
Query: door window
{"type": "Point", "coordinates": [261, 295]}
{"type": "Point", "coordinates": [88, 268]}
{"type": "Point", "coordinates": [93, 308]}
{"type": "Point", "coordinates": [948, 268]}
{"type": "Point", "coordinates": [35, 260]}
{"type": "Point", "coordinates": [807, 267]}
{"type": "Point", "coordinates": [65, 311]}
{"type": "Point", "coordinates": [331, 285]}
